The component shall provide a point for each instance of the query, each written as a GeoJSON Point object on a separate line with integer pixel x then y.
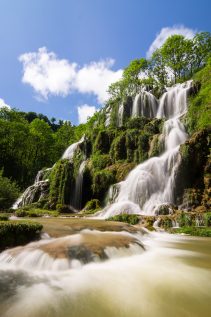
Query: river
{"type": "Point", "coordinates": [119, 271]}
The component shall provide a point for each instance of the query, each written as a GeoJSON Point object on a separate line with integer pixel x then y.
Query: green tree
{"type": "Point", "coordinates": [175, 55]}
{"type": "Point", "coordinates": [9, 192]}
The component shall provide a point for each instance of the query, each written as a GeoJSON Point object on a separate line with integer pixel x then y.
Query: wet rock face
{"type": "Point", "coordinates": [77, 249]}
{"type": "Point", "coordinates": [165, 209]}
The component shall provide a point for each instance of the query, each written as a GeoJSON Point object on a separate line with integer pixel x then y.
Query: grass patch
{"type": "Point", "coordinates": [35, 212]}
{"type": "Point", "coordinates": [131, 219]}
{"type": "Point", "coordinates": [193, 231]}
{"type": "Point", "coordinates": [14, 233]}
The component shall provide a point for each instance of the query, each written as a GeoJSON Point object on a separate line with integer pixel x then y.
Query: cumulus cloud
{"type": "Point", "coordinates": [96, 77]}
{"type": "Point", "coordinates": [165, 33]}
{"type": "Point", "coordinates": [84, 112]}
{"type": "Point", "coordinates": [49, 75]}
{"type": "Point", "coordinates": [3, 104]}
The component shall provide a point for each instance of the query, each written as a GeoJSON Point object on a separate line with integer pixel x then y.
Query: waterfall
{"type": "Point", "coordinates": [33, 193]}
{"type": "Point", "coordinates": [70, 151]}
{"type": "Point", "coordinates": [145, 104]}
{"type": "Point", "coordinates": [152, 183]}
{"type": "Point", "coordinates": [76, 195]}
{"type": "Point", "coordinates": [120, 115]}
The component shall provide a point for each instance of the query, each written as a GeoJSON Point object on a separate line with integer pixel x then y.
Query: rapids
{"type": "Point", "coordinates": [170, 278]}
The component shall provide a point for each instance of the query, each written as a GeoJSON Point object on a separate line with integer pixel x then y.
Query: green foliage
{"type": "Point", "coordinates": [101, 182]}
{"type": "Point", "coordinates": [60, 183]}
{"type": "Point", "coordinates": [27, 212]}
{"type": "Point", "coordinates": [103, 141]}
{"type": "Point", "coordinates": [178, 57]}
{"type": "Point", "coordinates": [199, 111]}
{"type": "Point", "coordinates": [99, 161]}
{"type": "Point", "coordinates": [118, 149]}
{"type": "Point", "coordinates": [131, 219]}
{"type": "Point", "coordinates": [207, 218]}
{"type": "Point", "coordinates": [137, 123]}
{"type": "Point", "coordinates": [92, 206]}
{"type": "Point", "coordinates": [28, 142]}
{"type": "Point", "coordinates": [184, 219]}
{"type": "Point", "coordinates": [13, 233]}
{"type": "Point", "coordinates": [193, 231]}
{"type": "Point", "coordinates": [9, 192]}
{"type": "Point", "coordinates": [4, 217]}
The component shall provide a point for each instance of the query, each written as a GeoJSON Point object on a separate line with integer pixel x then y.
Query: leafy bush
{"type": "Point", "coordinates": [101, 182]}
{"type": "Point", "coordinates": [184, 220]}
{"type": "Point", "coordinates": [92, 206]}
{"type": "Point", "coordinates": [137, 123]}
{"type": "Point", "coordinates": [199, 112]}
{"type": "Point", "coordinates": [131, 219]}
{"type": "Point", "coordinates": [207, 218]}
{"type": "Point", "coordinates": [100, 161]}
{"type": "Point", "coordinates": [23, 212]}
{"type": "Point", "coordinates": [13, 233]}
{"type": "Point", "coordinates": [9, 192]}
{"type": "Point", "coordinates": [193, 231]}
{"type": "Point", "coordinates": [4, 217]}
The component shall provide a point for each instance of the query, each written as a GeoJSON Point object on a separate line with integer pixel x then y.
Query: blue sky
{"type": "Point", "coordinates": [57, 56]}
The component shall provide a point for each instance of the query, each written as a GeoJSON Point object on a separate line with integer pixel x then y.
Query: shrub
{"type": "Point", "coordinates": [137, 123]}
{"type": "Point", "coordinates": [184, 220]}
{"type": "Point", "coordinates": [207, 218]}
{"type": "Point", "coordinates": [13, 233]}
{"type": "Point", "coordinates": [131, 219]}
{"type": "Point", "coordinates": [101, 182]}
{"type": "Point", "coordinates": [193, 231]}
{"type": "Point", "coordinates": [92, 206]}
{"type": "Point", "coordinates": [23, 212]}
{"type": "Point", "coordinates": [118, 149]}
{"type": "Point", "coordinates": [103, 141]}
{"type": "Point", "coordinates": [9, 192]}
{"type": "Point", "coordinates": [100, 161]}
{"type": "Point", "coordinates": [4, 217]}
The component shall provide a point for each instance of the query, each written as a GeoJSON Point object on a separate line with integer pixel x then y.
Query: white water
{"type": "Point", "coordinates": [28, 195]}
{"type": "Point", "coordinates": [145, 104]}
{"type": "Point", "coordinates": [76, 195]}
{"type": "Point", "coordinates": [152, 183]}
{"type": "Point", "coordinates": [70, 151]}
{"type": "Point", "coordinates": [162, 281]}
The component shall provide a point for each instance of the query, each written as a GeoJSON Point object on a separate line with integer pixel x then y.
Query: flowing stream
{"type": "Point", "coordinates": [107, 274]}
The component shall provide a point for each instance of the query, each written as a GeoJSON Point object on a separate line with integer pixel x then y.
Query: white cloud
{"type": "Point", "coordinates": [49, 75]}
{"type": "Point", "coordinates": [3, 104]}
{"type": "Point", "coordinates": [96, 77]}
{"type": "Point", "coordinates": [84, 112]}
{"type": "Point", "coordinates": [165, 33]}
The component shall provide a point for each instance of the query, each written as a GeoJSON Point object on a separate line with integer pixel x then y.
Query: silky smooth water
{"type": "Point", "coordinates": [170, 278]}
{"type": "Point", "coordinates": [152, 183]}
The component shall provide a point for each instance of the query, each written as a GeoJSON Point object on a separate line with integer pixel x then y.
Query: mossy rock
{"type": "Point", "coordinates": [61, 180]}
{"type": "Point", "coordinates": [92, 206]}
{"type": "Point", "coordinates": [103, 141]}
{"type": "Point", "coordinates": [14, 233]}
{"type": "Point", "coordinates": [101, 183]}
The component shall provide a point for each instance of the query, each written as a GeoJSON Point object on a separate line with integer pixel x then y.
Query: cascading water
{"type": "Point", "coordinates": [39, 189]}
{"type": "Point", "coordinates": [145, 104]}
{"type": "Point", "coordinates": [151, 183]}
{"type": "Point", "coordinates": [70, 151]}
{"type": "Point", "coordinates": [76, 195]}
